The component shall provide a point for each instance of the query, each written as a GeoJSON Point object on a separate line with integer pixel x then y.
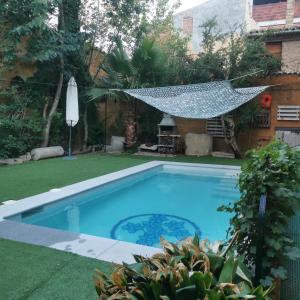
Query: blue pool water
{"type": "Point", "coordinates": [169, 202]}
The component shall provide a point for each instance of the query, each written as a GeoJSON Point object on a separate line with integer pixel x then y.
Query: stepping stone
{"type": "Point", "coordinates": [55, 190]}
{"type": "Point", "coordinates": [8, 202]}
{"type": "Point", "coordinates": [222, 154]}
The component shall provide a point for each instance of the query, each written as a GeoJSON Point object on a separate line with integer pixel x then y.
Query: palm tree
{"type": "Point", "coordinates": [146, 67]}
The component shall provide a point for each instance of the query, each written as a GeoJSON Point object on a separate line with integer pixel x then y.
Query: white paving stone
{"type": "Point", "coordinates": [123, 252]}
{"type": "Point", "coordinates": [86, 245]}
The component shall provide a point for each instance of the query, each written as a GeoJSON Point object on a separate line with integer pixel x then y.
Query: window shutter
{"type": "Point", "coordinates": [288, 112]}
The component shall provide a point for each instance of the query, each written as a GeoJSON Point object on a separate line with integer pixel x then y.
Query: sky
{"type": "Point", "coordinates": [186, 4]}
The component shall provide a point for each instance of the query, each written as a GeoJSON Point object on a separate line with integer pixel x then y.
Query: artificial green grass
{"type": "Point", "coordinates": [34, 272]}
{"type": "Point", "coordinates": [19, 181]}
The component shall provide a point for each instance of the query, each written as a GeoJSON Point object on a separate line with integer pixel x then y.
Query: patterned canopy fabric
{"type": "Point", "coordinates": [197, 101]}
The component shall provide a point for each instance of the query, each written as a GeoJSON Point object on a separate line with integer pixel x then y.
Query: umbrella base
{"type": "Point", "coordinates": [69, 157]}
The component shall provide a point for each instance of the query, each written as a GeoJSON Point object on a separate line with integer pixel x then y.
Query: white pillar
{"type": "Point", "coordinates": [290, 12]}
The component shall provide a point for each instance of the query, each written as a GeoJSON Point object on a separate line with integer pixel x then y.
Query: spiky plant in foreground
{"type": "Point", "coordinates": [190, 270]}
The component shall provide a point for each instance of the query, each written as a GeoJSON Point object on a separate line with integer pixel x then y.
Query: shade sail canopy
{"type": "Point", "coordinates": [197, 101]}
{"type": "Point", "coordinates": [72, 114]}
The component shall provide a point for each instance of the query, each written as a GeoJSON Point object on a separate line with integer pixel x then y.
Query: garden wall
{"type": "Point", "coordinates": [287, 92]}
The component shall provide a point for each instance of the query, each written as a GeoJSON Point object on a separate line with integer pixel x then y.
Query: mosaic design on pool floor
{"type": "Point", "coordinates": [147, 229]}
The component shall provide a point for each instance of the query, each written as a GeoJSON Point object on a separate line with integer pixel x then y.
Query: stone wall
{"type": "Point", "coordinates": [291, 56]}
{"type": "Point", "coordinates": [21, 69]}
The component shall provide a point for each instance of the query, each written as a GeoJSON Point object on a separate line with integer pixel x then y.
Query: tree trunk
{"type": "Point", "coordinates": [228, 127]}
{"type": "Point", "coordinates": [49, 118]}
{"type": "Point", "coordinates": [86, 127]}
{"type": "Point", "coordinates": [130, 130]}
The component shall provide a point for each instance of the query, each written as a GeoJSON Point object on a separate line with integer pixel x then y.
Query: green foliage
{"type": "Point", "coordinates": [58, 130]}
{"type": "Point", "coordinates": [272, 171]}
{"type": "Point", "coordinates": [96, 132]}
{"type": "Point", "coordinates": [144, 68]}
{"type": "Point", "coordinates": [19, 19]}
{"type": "Point", "coordinates": [46, 34]}
{"type": "Point", "coordinates": [148, 118]}
{"type": "Point", "coordinates": [144, 49]}
{"type": "Point", "coordinates": [190, 270]}
{"type": "Point", "coordinates": [126, 19]}
{"type": "Point", "coordinates": [228, 56]}
{"type": "Point", "coordinates": [20, 125]}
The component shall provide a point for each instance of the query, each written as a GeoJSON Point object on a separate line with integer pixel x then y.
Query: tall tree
{"type": "Point", "coordinates": [126, 19]}
{"type": "Point", "coordinates": [69, 44]}
{"type": "Point", "coordinates": [48, 32]}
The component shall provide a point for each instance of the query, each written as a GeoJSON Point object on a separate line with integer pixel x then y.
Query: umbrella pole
{"type": "Point", "coordinates": [105, 125]}
{"type": "Point", "coordinates": [70, 140]}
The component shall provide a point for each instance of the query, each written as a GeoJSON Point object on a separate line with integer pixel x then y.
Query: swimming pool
{"type": "Point", "coordinates": [165, 199]}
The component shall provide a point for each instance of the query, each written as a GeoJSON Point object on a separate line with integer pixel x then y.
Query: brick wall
{"type": "Point", "coordinates": [287, 93]}
{"type": "Point", "coordinates": [269, 12]}
{"type": "Point", "coordinates": [96, 59]}
{"type": "Point", "coordinates": [20, 69]}
{"type": "Point", "coordinates": [185, 126]}
{"type": "Point", "coordinates": [187, 25]}
{"type": "Point", "coordinates": [275, 48]}
{"type": "Point", "coordinates": [297, 9]}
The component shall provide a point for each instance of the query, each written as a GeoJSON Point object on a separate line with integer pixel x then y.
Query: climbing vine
{"type": "Point", "coordinates": [273, 171]}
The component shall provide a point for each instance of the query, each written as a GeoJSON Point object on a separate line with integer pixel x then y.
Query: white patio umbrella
{"type": "Point", "coordinates": [72, 114]}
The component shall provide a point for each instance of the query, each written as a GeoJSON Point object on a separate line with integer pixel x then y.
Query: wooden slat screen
{"type": "Point", "coordinates": [214, 127]}
{"type": "Point", "coordinates": [288, 112]}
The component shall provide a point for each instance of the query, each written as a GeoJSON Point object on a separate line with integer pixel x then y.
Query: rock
{"type": "Point", "coordinates": [117, 144]}
{"type": "Point", "coordinates": [223, 154]}
{"type": "Point", "coordinates": [47, 152]}
{"type": "Point", "coordinates": [148, 148]}
{"type": "Point", "coordinates": [198, 144]}
{"type": "Point", "coordinates": [13, 161]}
{"type": "Point", "coordinates": [16, 161]}
{"type": "Point", "coordinates": [25, 157]}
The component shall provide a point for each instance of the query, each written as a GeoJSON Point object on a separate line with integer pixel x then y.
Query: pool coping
{"type": "Point", "coordinates": [82, 244]}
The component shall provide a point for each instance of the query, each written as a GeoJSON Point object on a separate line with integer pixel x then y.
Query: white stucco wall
{"type": "Point", "coordinates": [229, 13]}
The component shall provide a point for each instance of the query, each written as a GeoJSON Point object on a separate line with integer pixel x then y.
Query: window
{"type": "Point", "coordinates": [187, 25]}
{"type": "Point", "coordinates": [260, 2]}
{"type": "Point", "coordinates": [275, 48]}
{"type": "Point", "coordinates": [288, 112]}
{"type": "Point", "coordinates": [290, 136]}
{"type": "Point", "coordinates": [262, 120]}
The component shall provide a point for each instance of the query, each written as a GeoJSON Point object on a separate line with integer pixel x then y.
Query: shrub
{"type": "Point", "coordinates": [272, 171]}
{"type": "Point", "coordinates": [190, 270]}
{"type": "Point", "coordinates": [20, 129]}
{"type": "Point", "coordinates": [20, 124]}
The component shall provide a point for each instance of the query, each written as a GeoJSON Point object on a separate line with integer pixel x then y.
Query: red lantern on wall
{"type": "Point", "coordinates": [266, 101]}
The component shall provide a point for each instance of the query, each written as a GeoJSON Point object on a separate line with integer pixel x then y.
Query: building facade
{"type": "Point", "coordinates": [282, 17]}
{"type": "Point", "coordinates": [230, 14]}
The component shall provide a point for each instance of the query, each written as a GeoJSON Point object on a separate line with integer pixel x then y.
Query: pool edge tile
{"type": "Point", "coordinates": [123, 252]}
{"type": "Point", "coordinates": [86, 245]}
{"type": "Point", "coordinates": [81, 244]}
